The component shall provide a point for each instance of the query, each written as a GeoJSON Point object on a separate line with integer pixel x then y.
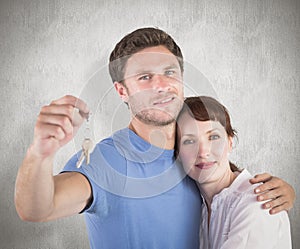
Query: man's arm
{"type": "Point", "coordinates": [40, 196]}
{"type": "Point", "coordinates": [280, 194]}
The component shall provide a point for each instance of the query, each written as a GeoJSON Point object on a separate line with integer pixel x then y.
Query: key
{"type": "Point", "coordinates": [80, 160]}
{"type": "Point", "coordinates": [87, 146]}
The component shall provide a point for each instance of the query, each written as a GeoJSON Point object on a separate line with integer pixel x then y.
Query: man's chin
{"type": "Point", "coordinates": [156, 121]}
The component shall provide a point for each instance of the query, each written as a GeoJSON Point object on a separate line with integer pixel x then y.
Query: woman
{"type": "Point", "coordinates": [231, 216]}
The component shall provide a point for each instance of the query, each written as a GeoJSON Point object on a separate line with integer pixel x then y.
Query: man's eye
{"type": "Point", "coordinates": [145, 77]}
{"type": "Point", "coordinates": [188, 141]}
{"type": "Point", "coordinates": [170, 72]}
{"type": "Point", "coordinates": [214, 137]}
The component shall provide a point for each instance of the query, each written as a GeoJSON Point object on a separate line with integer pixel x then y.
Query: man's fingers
{"type": "Point", "coordinates": [65, 112]}
{"type": "Point", "coordinates": [260, 178]}
{"type": "Point", "coordinates": [57, 123]}
{"type": "Point", "coordinates": [271, 194]}
{"type": "Point", "coordinates": [75, 116]}
{"type": "Point", "coordinates": [73, 101]}
{"type": "Point", "coordinates": [264, 187]}
{"type": "Point", "coordinates": [45, 131]}
{"type": "Point", "coordinates": [279, 208]}
{"type": "Point", "coordinates": [58, 120]}
{"type": "Point", "coordinates": [281, 195]}
{"type": "Point", "coordinates": [65, 109]}
{"type": "Point", "coordinates": [273, 182]}
{"type": "Point", "coordinates": [75, 108]}
{"type": "Point", "coordinates": [274, 202]}
{"type": "Point", "coordinates": [67, 99]}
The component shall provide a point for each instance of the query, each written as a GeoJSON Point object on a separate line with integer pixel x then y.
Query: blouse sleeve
{"type": "Point", "coordinates": [253, 227]}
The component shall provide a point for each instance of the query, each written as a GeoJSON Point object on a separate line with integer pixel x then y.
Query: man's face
{"type": "Point", "coordinates": [153, 86]}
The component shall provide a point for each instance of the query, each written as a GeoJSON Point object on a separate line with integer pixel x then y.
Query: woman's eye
{"type": "Point", "coordinates": [188, 141]}
{"type": "Point", "coordinates": [214, 137]}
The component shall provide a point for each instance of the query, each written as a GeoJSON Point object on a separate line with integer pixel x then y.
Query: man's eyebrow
{"type": "Point", "coordinates": [141, 71]}
{"type": "Point", "coordinates": [172, 66]}
{"type": "Point", "coordinates": [145, 71]}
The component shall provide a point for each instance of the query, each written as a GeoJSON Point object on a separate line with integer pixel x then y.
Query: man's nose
{"type": "Point", "coordinates": [161, 83]}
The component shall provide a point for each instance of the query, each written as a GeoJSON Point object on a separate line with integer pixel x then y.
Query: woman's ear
{"type": "Point", "coordinates": [121, 90]}
{"type": "Point", "coordinates": [230, 141]}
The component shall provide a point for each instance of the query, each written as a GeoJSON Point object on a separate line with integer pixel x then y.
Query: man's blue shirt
{"type": "Point", "coordinates": [141, 196]}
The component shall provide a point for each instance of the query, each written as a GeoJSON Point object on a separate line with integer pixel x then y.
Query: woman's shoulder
{"type": "Point", "coordinates": [242, 192]}
{"type": "Point", "coordinates": [241, 185]}
{"type": "Point", "coordinates": [245, 197]}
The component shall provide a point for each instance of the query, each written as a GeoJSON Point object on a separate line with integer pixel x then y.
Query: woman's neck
{"type": "Point", "coordinates": [210, 189]}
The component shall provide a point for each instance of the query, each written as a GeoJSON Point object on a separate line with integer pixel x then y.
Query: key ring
{"type": "Point", "coordinates": [87, 131]}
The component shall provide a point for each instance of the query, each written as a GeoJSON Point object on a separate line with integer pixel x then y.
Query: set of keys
{"type": "Point", "coordinates": [87, 145]}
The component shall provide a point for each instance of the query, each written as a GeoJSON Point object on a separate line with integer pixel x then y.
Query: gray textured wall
{"type": "Point", "coordinates": [248, 51]}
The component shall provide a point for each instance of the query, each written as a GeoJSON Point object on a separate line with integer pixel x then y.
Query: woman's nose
{"type": "Point", "coordinates": [204, 149]}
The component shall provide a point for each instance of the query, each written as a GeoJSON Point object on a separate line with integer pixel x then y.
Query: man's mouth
{"type": "Point", "coordinates": [205, 165]}
{"type": "Point", "coordinates": [164, 101]}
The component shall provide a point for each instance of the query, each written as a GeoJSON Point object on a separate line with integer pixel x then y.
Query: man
{"type": "Point", "coordinates": [133, 193]}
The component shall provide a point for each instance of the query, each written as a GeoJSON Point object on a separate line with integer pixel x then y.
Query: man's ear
{"type": "Point", "coordinates": [122, 91]}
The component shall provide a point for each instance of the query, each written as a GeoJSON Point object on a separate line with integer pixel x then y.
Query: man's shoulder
{"type": "Point", "coordinates": [113, 139]}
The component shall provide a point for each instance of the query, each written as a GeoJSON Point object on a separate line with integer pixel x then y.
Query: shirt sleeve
{"type": "Point", "coordinates": [71, 167]}
{"type": "Point", "coordinates": [253, 227]}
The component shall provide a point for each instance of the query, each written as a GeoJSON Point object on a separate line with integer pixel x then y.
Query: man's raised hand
{"type": "Point", "coordinates": [57, 124]}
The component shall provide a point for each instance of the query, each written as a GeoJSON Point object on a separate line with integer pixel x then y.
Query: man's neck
{"type": "Point", "coordinates": [159, 136]}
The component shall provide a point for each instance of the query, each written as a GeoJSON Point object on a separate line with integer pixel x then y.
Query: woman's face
{"type": "Point", "coordinates": [203, 148]}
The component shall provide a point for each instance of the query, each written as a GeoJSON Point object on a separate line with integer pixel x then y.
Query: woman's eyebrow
{"type": "Point", "coordinates": [195, 135]}
{"type": "Point", "coordinates": [188, 135]}
{"type": "Point", "coordinates": [212, 130]}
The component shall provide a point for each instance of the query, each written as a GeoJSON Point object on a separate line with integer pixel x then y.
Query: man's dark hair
{"type": "Point", "coordinates": [135, 42]}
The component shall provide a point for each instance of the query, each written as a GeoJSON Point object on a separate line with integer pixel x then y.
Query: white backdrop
{"type": "Point", "coordinates": [246, 53]}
